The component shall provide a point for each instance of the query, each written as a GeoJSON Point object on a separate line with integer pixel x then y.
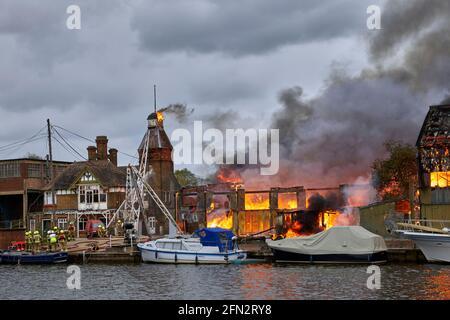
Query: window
{"type": "Point", "coordinates": [89, 196]}
{"type": "Point", "coordinates": [62, 224]}
{"type": "Point", "coordinates": [440, 179]}
{"type": "Point", "coordinates": [82, 224]}
{"type": "Point", "coordinates": [440, 196]}
{"type": "Point", "coordinates": [82, 195]}
{"type": "Point", "coordinates": [32, 225]}
{"type": "Point", "coordinates": [10, 169]}
{"type": "Point", "coordinates": [49, 199]}
{"type": "Point", "coordinates": [177, 246]}
{"type": "Point", "coordinates": [34, 170]}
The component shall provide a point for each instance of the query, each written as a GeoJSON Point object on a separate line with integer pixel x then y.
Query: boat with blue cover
{"type": "Point", "coordinates": [206, 245]}
{"type": "Point", "coordinates": [20, 257]}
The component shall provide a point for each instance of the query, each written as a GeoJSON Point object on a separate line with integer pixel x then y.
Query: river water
{"type": "Point", "coordinates": [251, 281]}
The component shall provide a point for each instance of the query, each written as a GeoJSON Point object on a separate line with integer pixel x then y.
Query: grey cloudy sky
{"type": "Point", "coordinates": [215, 56]}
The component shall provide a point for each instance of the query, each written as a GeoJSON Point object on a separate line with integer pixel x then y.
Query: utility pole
{"type": "Point", "coordinates": [49, 131]}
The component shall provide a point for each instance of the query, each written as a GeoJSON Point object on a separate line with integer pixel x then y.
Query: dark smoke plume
{"type": "Point", "coordinates": [335, 137]}
{"type": "Point", "coordinates": [180, 111]}
{"type": "Point", "coordinates": [319, 203]}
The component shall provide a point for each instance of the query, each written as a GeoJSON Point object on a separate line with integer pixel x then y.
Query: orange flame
{"type": "Point", "coordinates": [326, 220]}
{"type": "Point", "coordinates": [257, 201]}
{"type": "Point", "coordinates": [159, 116]}
{"type": "Point", "coordinates": [218, 217]}
{"type": "Point", "coordinates": [224, 221]}
{"type": "Point", "coordinates": [439, 179]}
{"type": "Point", "coordinates": [287, 201]}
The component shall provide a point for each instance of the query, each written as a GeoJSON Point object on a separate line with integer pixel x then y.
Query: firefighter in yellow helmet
{"type": "Point", "coordinates": [28, 241]}
{"type": "Point", "coordinates": [62, 241]}
{"type": "Point", "coordinates": [101, 231]}
{"type": "Point", "coordinates": [71, 230]}
{"type": "Point", "coordinates": [53, 241]}
{"type": "Point", "coordinates": [37, 242]}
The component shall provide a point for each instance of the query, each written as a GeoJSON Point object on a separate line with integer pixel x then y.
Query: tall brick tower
{"type": "Point", "coordinates": [160, 164]}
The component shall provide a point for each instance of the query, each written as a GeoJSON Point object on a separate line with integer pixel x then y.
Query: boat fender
{"type": "Point", "coordinates": [156, 254]}
{"type": "Point", "coordinates": [176, 258]}
{"type": "Point", "coordinates": [196, 259]}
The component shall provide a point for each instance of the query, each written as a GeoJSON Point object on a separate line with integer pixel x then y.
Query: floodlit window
{"type": "Point", "coordinates": [440, 179]}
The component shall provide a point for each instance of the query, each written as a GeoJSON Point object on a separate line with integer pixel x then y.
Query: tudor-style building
{"type": "Point", "coordinates": [92, 189]}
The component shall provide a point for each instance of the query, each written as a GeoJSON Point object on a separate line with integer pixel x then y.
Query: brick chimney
{"type": "Point", "coordinates": [102, 147]}
{"type": "Point", "coordinates": [92, 153]}
{"type": "Point", "coordinates": [113, 156]}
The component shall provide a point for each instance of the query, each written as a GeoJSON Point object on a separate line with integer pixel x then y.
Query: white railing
{"type": "Point", "coordinates": [424, 225]}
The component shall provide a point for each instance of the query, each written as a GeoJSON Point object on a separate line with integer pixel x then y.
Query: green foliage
{"type": "Point", "coordinates": [33, 156]}
{"type": "Point", "coordinates": [186, 178]}
{"type": "Point", "coordinates": [393, 177]}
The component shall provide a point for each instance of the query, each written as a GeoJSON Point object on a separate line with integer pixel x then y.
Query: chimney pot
{"type": "Point", "coordinates": [92, 153]}
{"type": "Point", "coordinates": [113, 156]}
{"type": "Point", "coordinates": [102, 147]}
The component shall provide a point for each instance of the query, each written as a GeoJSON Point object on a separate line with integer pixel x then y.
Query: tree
{"type": "Point", "coordinates": [33, 156]}
{"type": "Point", "coordinates": [186, 178]}
{"type": "Point", "coordinates": [394, 176]}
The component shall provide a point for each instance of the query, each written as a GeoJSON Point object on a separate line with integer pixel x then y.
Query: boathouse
{"type": "Point", "coordinates": [22, 187]}
{"type": "Point", "coordinates": [433, 145]}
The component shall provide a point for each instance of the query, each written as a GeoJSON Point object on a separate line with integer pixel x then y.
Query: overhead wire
{"type": "Point", "coordinates": [21, 142]}
{"type": "Point", "coordinates": [93, 141]}
{"type": "Point", "coordinates": [68, 144]}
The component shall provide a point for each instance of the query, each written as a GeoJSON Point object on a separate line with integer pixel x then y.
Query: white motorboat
{"type": "Point", "coordinates": [205, 246]}
{"type": "Point", "coordinates": [435, 246]}
{"type": "Point", "coordinates": [433, 242]}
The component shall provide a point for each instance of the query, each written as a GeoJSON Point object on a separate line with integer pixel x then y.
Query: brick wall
{"type": "Point", "coordinates": [67, 201]}
{"type": "Point", "coordinates": [11, 184]}
{"type": "Point", "coordinates": [115, 199]}
{"type": "Point", "coordinates": [6, 236]}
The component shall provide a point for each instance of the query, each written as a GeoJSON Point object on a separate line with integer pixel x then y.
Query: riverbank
{"type": "Point", "coordinates": [116, 251]}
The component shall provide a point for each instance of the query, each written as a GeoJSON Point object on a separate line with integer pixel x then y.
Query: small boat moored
{"type": "Point", "coordinates": [205, 246]}
{"type": "Point", "coordinates": [434, 242]}
{"type": "Point", "coordinates": [340, 244]}
{"type": "Point", "coordinates": [20, 257]}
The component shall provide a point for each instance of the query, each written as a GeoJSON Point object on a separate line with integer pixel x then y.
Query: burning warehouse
{"type": "Point", "coordinates": [286, 212]}
{"type": "Point", "coordinates": [433, 146]}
